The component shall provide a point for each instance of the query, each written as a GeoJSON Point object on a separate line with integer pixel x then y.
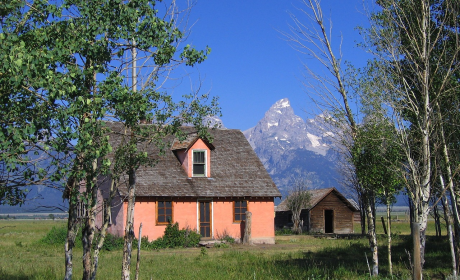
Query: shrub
{"type": "Point", "coordinates": [203, 252]}
{"type": "Point", "coordinates": [112, 242]}
{"type": "Point", "coordinates": [221, 245]}
{"type": "Point", "coordinates": [56, 236]}
{"type": "Point", "coordinates": [173, 237]}
{"type": "Point", "coordinates": [158, 244]}
{"type": "Point", "coordinates": [284, 231]}
{"type": "Point", "coordinates": [225, 236]}
{"type": "Point", "coordinates": [145, 244]}
{"type": "Point", "coordinates": [228, 239]}
{"type": "Point", "coordinates": [192, 238]}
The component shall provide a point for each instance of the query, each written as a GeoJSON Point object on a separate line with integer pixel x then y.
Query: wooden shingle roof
{"type": "Point", "coordinates": [316, 197]}
{"type": "Point", "coordinates": [236, 171]}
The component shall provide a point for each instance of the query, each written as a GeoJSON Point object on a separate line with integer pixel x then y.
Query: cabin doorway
{"type": "Point", "coordinates": [328, 221]}
{"type": "Point", "coordinates": [205, 219]}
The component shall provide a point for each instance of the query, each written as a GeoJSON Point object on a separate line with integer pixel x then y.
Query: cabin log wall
{"type": "Point", "coordinates": [343, 216]}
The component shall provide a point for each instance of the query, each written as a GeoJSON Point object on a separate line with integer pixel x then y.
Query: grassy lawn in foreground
{"type": "Point", "coordinates": [293, 257]}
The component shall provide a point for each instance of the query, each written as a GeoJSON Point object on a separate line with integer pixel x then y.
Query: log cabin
{"type": "Point", "coordinates": [328, 212]}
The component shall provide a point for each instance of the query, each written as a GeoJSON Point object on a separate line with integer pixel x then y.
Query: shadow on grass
{"type": "Point", "coordinates": [329, 263]}
{"type": "Point", "coordinates": [348, 261]}
{"type": "Point", "coordinates": [47, 274]}
{"type": "Point", "coordinates": [14, 277]}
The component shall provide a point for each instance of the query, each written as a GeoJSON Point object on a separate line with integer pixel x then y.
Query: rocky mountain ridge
{"type": "Point", "coordinates": [291, 148]}
{"type": "Point", "coordinates": [280, 124]}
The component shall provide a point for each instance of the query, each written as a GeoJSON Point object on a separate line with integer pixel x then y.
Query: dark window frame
{"type": "Point", "coordinates": [162, 217]}
{"type": "Point", "coordinates": [240, 207]}
{"type": "Point", "coordinates": [198, 163]}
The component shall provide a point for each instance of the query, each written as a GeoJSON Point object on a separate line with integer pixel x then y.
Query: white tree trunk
{"type": "Point", "coordinates": [103, 232]}
{"type": "Point", "coordinates": [129, 228]}
{"type": "Point", "coordinates": [372, 236]}
{"type": "Point", "coordinates": [72, 228]}
{"type": "Point", "coordinates": [390, 264]}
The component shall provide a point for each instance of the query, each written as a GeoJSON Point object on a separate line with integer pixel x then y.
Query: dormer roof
{"type": "Point", "coordinates": [188, 142]}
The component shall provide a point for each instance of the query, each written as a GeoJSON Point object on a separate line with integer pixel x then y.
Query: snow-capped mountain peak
{"type": "Point", "coordinates": [290, 147]}
{"type": "Point", "coordinates": [283, 103]}
{"type": "Point", "coordinates": [213, 121]}
{"type": "Point", "coordinates": [280, 122]}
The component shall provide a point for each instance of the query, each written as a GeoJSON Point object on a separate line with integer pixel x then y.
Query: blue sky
{"type": "Point", "coordinates": [251, 66]}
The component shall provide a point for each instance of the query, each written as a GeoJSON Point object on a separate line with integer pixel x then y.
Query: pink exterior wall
{"type": "Point", "coordinates": [144, 212]}
{"type": "Point", "coordinates": [223, 220]}
{"type": "Point", "coordinates": [183, 158]}
{"type": "Point", "coordinates": [263, 220]}
{"type": "Point", "coordinates": [185, 212]}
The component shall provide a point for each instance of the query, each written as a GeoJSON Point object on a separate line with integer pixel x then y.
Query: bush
{"type": "Point", "coordinates": [158, 244]}
{"type": "Point", "coordinates": [56, 236]}
{"type": "Point", "coordinates": [226, 237]}
{"type": "Point", "coordinates": [112, 242]}
{"type": "Point", "coordinates": [221, 245]}
{"type": "Point", "coordinates": [174, 237]}
{"type": "Point", "coordinates": [284, 231]}
{"type": "Point", "coordinates": [192, 238]}
{"type": "Point", "coordinates": [145, 244]}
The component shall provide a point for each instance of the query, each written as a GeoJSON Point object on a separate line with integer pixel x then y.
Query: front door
{"type": "Point", "coordinates": [205, 219]}
{"type": "Point", "coordinates": [329, 221]}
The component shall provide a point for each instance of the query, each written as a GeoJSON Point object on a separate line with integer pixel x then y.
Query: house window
{"type": "Point", "coordinates": [239, 210]}
{"type": "Point", "coordinates": [199, 163]}
{"type": "Point", "coordinates": [164, 212]}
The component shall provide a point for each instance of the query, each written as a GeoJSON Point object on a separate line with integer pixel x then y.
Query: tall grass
{"type": "Point", "coordinates": [23, 256]}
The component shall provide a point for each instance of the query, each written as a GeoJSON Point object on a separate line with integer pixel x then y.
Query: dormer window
{"type": "Point", "coordinates": [199, 163]}
{"type": "Point", "coordinates": [194, 155]}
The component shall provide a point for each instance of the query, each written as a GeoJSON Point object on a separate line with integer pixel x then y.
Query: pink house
{"type": "Point", "coordinates": [203, 186]}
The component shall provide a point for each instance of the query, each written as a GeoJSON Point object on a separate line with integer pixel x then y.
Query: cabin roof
{"type": "Point", "coordinates": [316, 197]}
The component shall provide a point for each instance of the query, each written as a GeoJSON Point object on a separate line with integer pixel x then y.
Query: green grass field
{"type": "Point", "coordinates": [293, 257]}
